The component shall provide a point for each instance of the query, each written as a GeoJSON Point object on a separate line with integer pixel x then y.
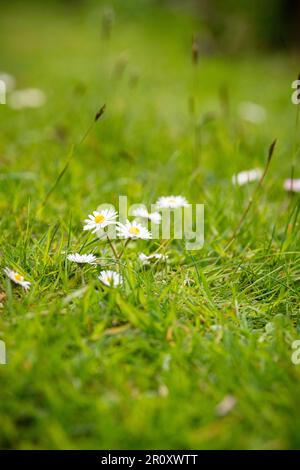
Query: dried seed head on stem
{"type": "Point", "coordinates": [195, 49]}
{"type": "Point", "coordinates": [69, 158]}
{"type": "Point", "coordinates": [255, 192]}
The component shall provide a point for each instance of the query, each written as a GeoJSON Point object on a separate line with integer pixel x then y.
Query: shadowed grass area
{"type": "Point", "coordinates": [147, 365]}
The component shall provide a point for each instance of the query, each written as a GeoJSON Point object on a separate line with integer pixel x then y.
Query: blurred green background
{"type": "Point", "coordinates": [226, 24]}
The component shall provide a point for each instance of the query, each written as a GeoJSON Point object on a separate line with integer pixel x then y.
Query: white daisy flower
{"type": "Point", "coordinates": [133, 230]}
{"type": "Point", "coordinates": [292, 185]}
{"type": "Point", "coordinates": [100, 220]}
{"type": "Point", "coordinates": [27, 98]}
{"type": "Point", "coordinates": [110, 278]}
{"type": "Point", "coordinates": [171, 202]}
{"type": "Point", "coordinates": [17, 278]}
{"type": "Point", "coordinates": [155, 217]}
{"type": "Point", "coordinates": [9, 80]}
{"type": "Point", "coordinates": [188, 281]}
{"type": "Point", "coordinates": [248, 176]}
{"type": "Point", "coordinates": [146, 260]}
{"type": "Point", "coordinates": [82, 259]}
{"type": "Point", "coordinates": [144, 214]}
{"type": "Point", "coordinates": [252, 112]}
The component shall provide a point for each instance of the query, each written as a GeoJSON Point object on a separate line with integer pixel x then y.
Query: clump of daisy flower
{"type": "Point", "coordinates": [252, 112]}
{"type": "Point", "coordinates": [133, 230]}
{"type": "Point", "coordinates": [9, 80]}
{"type": "Point", "coordinates": [110, 278]}
{"type": "Point", "coordinates": [27, 98]}
{"type": "Point", "coordinates": [100, 220]}
{"type": "Point", "coordinates": [146, 260]}
{"type": "Point", "coordinates": [17, 278]}
{"type": "Point", "coordinates": [82, 259]}
{"type": "Point", "coordinates": [171, 202]}
{"type": "Point", "coordinates": [248, 176]}
{"type": "Point", "coordinates": [141, 212]}
{"type": "Point", "coordinates": [292, 185]}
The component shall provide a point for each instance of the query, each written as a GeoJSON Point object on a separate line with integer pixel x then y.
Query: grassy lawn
{"type": "Point", "coordinates": [154, 363]}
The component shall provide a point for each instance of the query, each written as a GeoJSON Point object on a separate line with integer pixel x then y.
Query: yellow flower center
{"type": "Point", "coordinates": [172, 201]}
{"type": "Point", "coordinates": [109, 279]}
{"type": "Point", "coordinates": [18, 277]}
{"type": "Point", "coordinates": [134, 230]}
{"type": "Point", "coordinates": [99, 219]}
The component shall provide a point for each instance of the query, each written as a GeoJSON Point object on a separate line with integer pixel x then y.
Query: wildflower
{"type": "Point", "coordinates": [133, 230]}
{"type": "Point", "coordinates": [144, 214]}
{"type": "Point", "coordinates": [171, 202]}
{"type": "Point", "coordinates": [226, 405]}
{"type": "Point", "coordinates": [292, 185]}
{"type": "Point", "coordinates": [9, 80]}
{"type": "Point", "coordinates": [82, 259]}
{"type": "Point", "coordinates": [188, 281]}
{"type": "Point", "coordinates": [146, 260]}
{"type": "Point", "coordinates": [27, 98]}
{"type": "Point", "coordinates": [17, 278]}
{"type": "Point", "coordinates": [163, 391]}
{"type": "Point", "coordinates": [100, 220]}
{"type": "Point", "coordinates": [252, 112]}
{"type": "Point", "coordinates": [110, 278]}
{"type": "Point", "coordinates": [248, 176]}
{"type": "Point", "coordinates": [216, 327]}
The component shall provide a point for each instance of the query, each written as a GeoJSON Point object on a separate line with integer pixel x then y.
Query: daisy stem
{"type": "Point", "coordinates": [82, 277]}
{"type": "Point", "coordinates": [113, 248]}
{"type": "Point", "coordinates": [122, 252]}
{"type": "Point", "coordinates": [163, 246]}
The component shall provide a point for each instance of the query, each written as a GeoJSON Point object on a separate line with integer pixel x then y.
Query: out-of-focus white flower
{"type": "Point", "coordinates": [9, 80]}
{"type": "Point", "coordinates": [163, 390]}
{"type": "Point", "coordinates": [292, 185]}
{"type": "Point", "coordinates": [133, 230]}
{"type": "Point", "coordinates": [252, 112]}
{"type": "Point", "coordinates": [110, 278]}
{"type": "Point", "coordinates": [226, 405]}
{"type": "Point", "coordinates": [248, 176]}
{"type": "Point", "coordinates": [188, 281]}
{"type": "Point", "coordinates": [144, 214]}
{"type": "Point", "coordinates": [216, 327]}
{"type": "Point", "coordinates": [171, 202]}
{"type": "Point", "coordinates": [146, 260]}
{"type": "Point", "coordinates": [27, 98]}
{"type": "Point", "coordinates": [82, 259]}
{"type": "Point", "coordinates": [17, 278]}
{"type": "Point", "coordinates": [100, 220]}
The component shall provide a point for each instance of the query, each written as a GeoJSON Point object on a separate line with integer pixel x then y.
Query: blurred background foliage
{"type": "Point", "coordinates": [225, 25]}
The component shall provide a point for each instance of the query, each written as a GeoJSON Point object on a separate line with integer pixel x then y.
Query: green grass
{"type": "Point", "coordinates": [147, 365]}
